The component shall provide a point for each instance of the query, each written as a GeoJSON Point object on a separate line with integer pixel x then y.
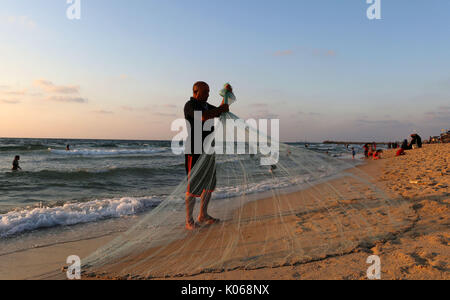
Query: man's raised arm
{"type": "Point", "coordinates": [215, 112]}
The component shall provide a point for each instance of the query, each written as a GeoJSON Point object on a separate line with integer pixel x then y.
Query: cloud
{"type": "Point", "coordinates": [330, 53]}
{"type": "Point", "coordinates": [21, 21]}
{"type": "Point", "coordinates": [7, 91]}
{"type": "Point", "coordinates": [49, 87]}
{"type": "Point", "coordinates": [35, 94]}
{"type": "Point", "coordinates": [67, 99]}
{"type": "Point", "coordinates": [10, 101]}
{"type": "Point", "coordinates": [136, 109]}
{"type": "Point", "coordinates": [434, 96]}
{"type": "Point", "coordinates": [259, 105]}
{"type": "Point", "coordinates": [103, 112]}
{"type": "Point", "coordinates": [307, 51]}
{"type": "Point", "coordinates": [324, 52]}
{"type": "Point", "coordinates": [169, 106]}
{"type": "Point", "coordinates": [283, 53]}
{"type": "Point", "coordinates": [164, 114]}
{"type": "Point", "coordinates": [312, 114]}
{"type": "Point", "coordinates": [127, 108]}
{"type": "Point", "coordinates": [15, 93]}
{"type": "Point", "coordinates": [264, 114]}
{"type": "Point", "coordinates": [441, 115]}
{"type": "Point", "coordinates": [384, 122]}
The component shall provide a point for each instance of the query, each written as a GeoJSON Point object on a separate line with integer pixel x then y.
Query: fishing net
{"type": "Point", "coordinates": [304, 207]}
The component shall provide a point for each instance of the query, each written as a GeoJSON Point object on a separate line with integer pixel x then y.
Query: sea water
{"type": "Point", "coordinates": [99, 180]}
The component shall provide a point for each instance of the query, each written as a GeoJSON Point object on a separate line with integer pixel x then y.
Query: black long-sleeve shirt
{"type": "Point", "coordinates": [192, 106]}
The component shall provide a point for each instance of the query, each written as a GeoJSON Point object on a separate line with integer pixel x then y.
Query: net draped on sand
{"type": "Point", "coordinates": [321, 219]}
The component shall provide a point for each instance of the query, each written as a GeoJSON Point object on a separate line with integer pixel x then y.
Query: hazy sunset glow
{"type": "Point", "coordinates": [125, 70]}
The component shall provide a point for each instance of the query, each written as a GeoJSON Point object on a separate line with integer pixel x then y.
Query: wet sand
{"type": "Point", "coordinates": [400, 213]}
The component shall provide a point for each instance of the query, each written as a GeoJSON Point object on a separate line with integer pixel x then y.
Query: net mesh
{"type": "Point", "coordinates": [303, 209]}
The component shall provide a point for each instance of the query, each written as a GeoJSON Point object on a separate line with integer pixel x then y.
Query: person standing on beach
{"type": "Point", "coordinates": [415, 140]}
{"type": "Point", "coordinates": [353, 152]}
{"type": "Point", "coordinates": [366, 150]}
{"type": "Point", "coordinates": [202, 182]}
{"type": "Point", "coordinates": [15, 163]}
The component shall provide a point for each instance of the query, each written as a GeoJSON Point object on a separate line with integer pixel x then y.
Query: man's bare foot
{"type": "Point", "coordinates": [208, 220]}
{"type": "Point", "coordinates": [191, 225]}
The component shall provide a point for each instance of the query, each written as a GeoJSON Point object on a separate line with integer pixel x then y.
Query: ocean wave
{"type": "Point", "coordinates": [102, 152]}
{"type": "Point", "coordinates": [108, 145]}
{"type": "Point", "coordinates": [86, 174]}
{"type": "Point", "coordinates": [17, 222]}
{"type": "Point", "coordinates": [117, 158]}
{"type": "Point", "coordinates": [29, 147]}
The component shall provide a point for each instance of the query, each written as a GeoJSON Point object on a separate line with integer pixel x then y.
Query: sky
{"type": "Point", "coordinates": [126, 68]}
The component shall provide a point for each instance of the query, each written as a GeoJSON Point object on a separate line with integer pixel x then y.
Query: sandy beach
{"type": "Point", "coordinates": [409, 232]}
{"type": "Point", "coordinates": [160, 140]}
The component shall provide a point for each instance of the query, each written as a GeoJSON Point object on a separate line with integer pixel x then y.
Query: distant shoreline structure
{"type": "Point", "coordinates": [354, 143]}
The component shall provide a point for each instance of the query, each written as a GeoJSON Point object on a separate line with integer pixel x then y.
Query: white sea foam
{"type": "Point", "coordinates": [16, 222]}
{"type": "Point", "coordinates": [260, 187]}
{"type": "Point", "coordinates": [229, 191]}
{"type": "Point", "coordinates": [102, 152]}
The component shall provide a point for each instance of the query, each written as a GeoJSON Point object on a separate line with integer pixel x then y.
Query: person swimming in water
{"type": "Point", "coordinates": [16, 166]}
{"type": "Point", "coordinates": [68, 148]}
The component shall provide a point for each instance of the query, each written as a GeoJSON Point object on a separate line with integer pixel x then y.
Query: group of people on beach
{"type": "Point", "coordinates": [371, 151]}
{"type": "Point", "coordinates": [416, 142]}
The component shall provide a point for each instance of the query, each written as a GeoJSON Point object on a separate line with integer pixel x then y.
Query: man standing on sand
{"type": "Point", "coordinates": [202, 182]}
